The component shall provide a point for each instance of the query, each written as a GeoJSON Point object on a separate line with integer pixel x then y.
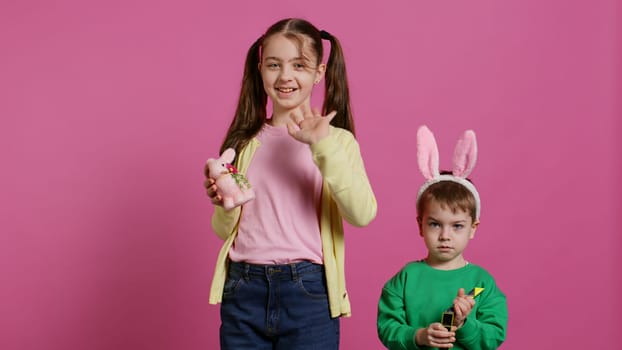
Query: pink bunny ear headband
{"type": "Point", "coordinates": [464, 159]}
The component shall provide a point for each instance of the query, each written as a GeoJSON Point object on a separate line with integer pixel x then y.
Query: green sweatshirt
{"type": "Point", "coordinates": [418, 295]}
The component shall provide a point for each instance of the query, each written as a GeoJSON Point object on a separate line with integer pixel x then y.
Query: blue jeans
{"type": "Point", "coordinates": [277, 307]}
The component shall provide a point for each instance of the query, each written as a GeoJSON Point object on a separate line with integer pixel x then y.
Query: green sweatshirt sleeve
{"type": "Point", "coordinates": [393, 329]}
{"type": "Point", "coordinates": [487, 330]}
{"type": "Point", "coordinates": [339, 160]}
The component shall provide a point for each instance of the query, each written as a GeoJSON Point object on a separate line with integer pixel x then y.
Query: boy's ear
{"type": "Point", "coordinates": [474, 227]}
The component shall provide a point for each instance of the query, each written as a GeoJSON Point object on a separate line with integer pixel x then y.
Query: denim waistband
{"type": "Point", "coordinates": [283, 272]}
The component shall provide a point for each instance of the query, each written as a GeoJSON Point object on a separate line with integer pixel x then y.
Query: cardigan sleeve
{"type": "Point", "coordinates": [224, 222]}
{"type": "Point", "coordinates": [339, 160]}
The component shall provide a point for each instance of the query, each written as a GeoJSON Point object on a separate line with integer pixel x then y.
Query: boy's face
{"type": "Point", "coordinates": [446, 235]}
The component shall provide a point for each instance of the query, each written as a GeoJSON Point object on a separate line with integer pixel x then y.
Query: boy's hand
{"type": "Point", "coordinates": [436, 336]}
{"type": "Point", "coordinates": [463, 304]}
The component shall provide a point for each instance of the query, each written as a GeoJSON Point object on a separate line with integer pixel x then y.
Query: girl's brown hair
{"type": "Point", "coordinates": [250, 113]}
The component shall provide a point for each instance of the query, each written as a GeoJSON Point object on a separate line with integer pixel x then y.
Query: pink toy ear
{"type": "Point", "coordinates": [228, 155]}
{"type": "Point", "coordinates": [427, 153]}
{"type": "Point", "coordinates": [465, 154]}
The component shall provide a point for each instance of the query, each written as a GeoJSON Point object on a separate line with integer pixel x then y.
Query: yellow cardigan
{"type": "Point", "coordinates": [346, 193]}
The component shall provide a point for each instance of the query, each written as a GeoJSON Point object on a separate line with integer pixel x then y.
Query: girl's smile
{"type": "Point", "coordinates": [285, 92]}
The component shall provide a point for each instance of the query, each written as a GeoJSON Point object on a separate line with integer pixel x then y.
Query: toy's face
{"type": "Point", "coordinates": [446, 235]}
{"type": "Point", "coordinates": [222, 165]}
{"type": "Point", "coordinates": [216, 168]}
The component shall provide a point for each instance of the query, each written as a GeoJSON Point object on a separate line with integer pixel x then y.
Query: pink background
{"type": "Point", "coordinates": [110, 108]}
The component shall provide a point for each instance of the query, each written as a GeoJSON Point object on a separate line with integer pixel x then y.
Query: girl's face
{"type": "Point", "coordinates": [288, 74]}
{"type": "Point", "coordinates": [446, 235]}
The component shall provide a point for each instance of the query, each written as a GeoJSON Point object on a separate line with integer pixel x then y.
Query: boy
{"type": "Point", "coordinates": [425, 292]}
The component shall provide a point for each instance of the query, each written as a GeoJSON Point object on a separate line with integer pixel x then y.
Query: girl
{"type": "Point", "coordinates": [280, 273]}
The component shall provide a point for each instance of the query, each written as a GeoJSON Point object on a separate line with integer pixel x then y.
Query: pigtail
{"type": "Point", "coordinates": [337, 96]}
{"type": "Point", "coordinates": [250, 113]}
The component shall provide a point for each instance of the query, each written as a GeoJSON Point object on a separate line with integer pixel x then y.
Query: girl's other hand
{"type": "Point", "coordinates": [212, 190]}
{"type": "Point", "coordinates": [309, 126]}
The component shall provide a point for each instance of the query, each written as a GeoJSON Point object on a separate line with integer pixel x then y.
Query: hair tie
{"type": "Point", "coordinates": [325, 35]}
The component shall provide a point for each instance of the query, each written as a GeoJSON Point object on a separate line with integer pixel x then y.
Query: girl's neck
{"type": "Point", "coordinates": [281, 116]}
{"type": "Point", "coordinates": [279, 119]}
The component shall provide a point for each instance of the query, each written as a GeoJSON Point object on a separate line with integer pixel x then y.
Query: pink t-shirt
{"type": "Point", "coordinates": [280, 226]}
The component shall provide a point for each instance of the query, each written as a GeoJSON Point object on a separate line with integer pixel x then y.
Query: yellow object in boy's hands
{"type": "Point", "coordinates": [475, 292]}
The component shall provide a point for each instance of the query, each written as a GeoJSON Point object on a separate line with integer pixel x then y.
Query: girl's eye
{"type": "Point", "coordinates": [273, 65]}
{"type": "Point", "coordinates": [299, 66]}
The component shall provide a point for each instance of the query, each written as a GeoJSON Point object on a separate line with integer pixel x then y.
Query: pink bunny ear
{"type": "Point", "coordinates": [427, 153]}
{"type": "Point", "coordinates": [228, 155]}
{"type": "Point", "coordinates": [465, 154]}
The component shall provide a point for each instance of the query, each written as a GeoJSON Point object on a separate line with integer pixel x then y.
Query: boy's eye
{"type": "Point", "coordinates": [299, 66]}
{"type": "Point", "coordinates": [433, 224]}
{"type": "Point", "coordinates": [458, 226]}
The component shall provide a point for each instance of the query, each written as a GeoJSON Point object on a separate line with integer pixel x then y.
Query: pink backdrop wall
{"type": "Point", "coordinates": [108, 110]}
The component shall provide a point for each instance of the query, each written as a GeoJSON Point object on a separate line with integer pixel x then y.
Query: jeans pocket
{"type": "Point", "coordinates": [313, 285]}
{"type": "Point", "coordinates": [231, 285]}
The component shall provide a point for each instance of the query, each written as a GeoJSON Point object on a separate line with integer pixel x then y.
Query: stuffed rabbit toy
{"type": "Point", "coordinates": [233, 187]}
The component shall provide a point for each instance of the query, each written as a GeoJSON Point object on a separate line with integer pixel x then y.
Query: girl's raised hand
{"type": "Point", "coordinates": [309, 126]}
